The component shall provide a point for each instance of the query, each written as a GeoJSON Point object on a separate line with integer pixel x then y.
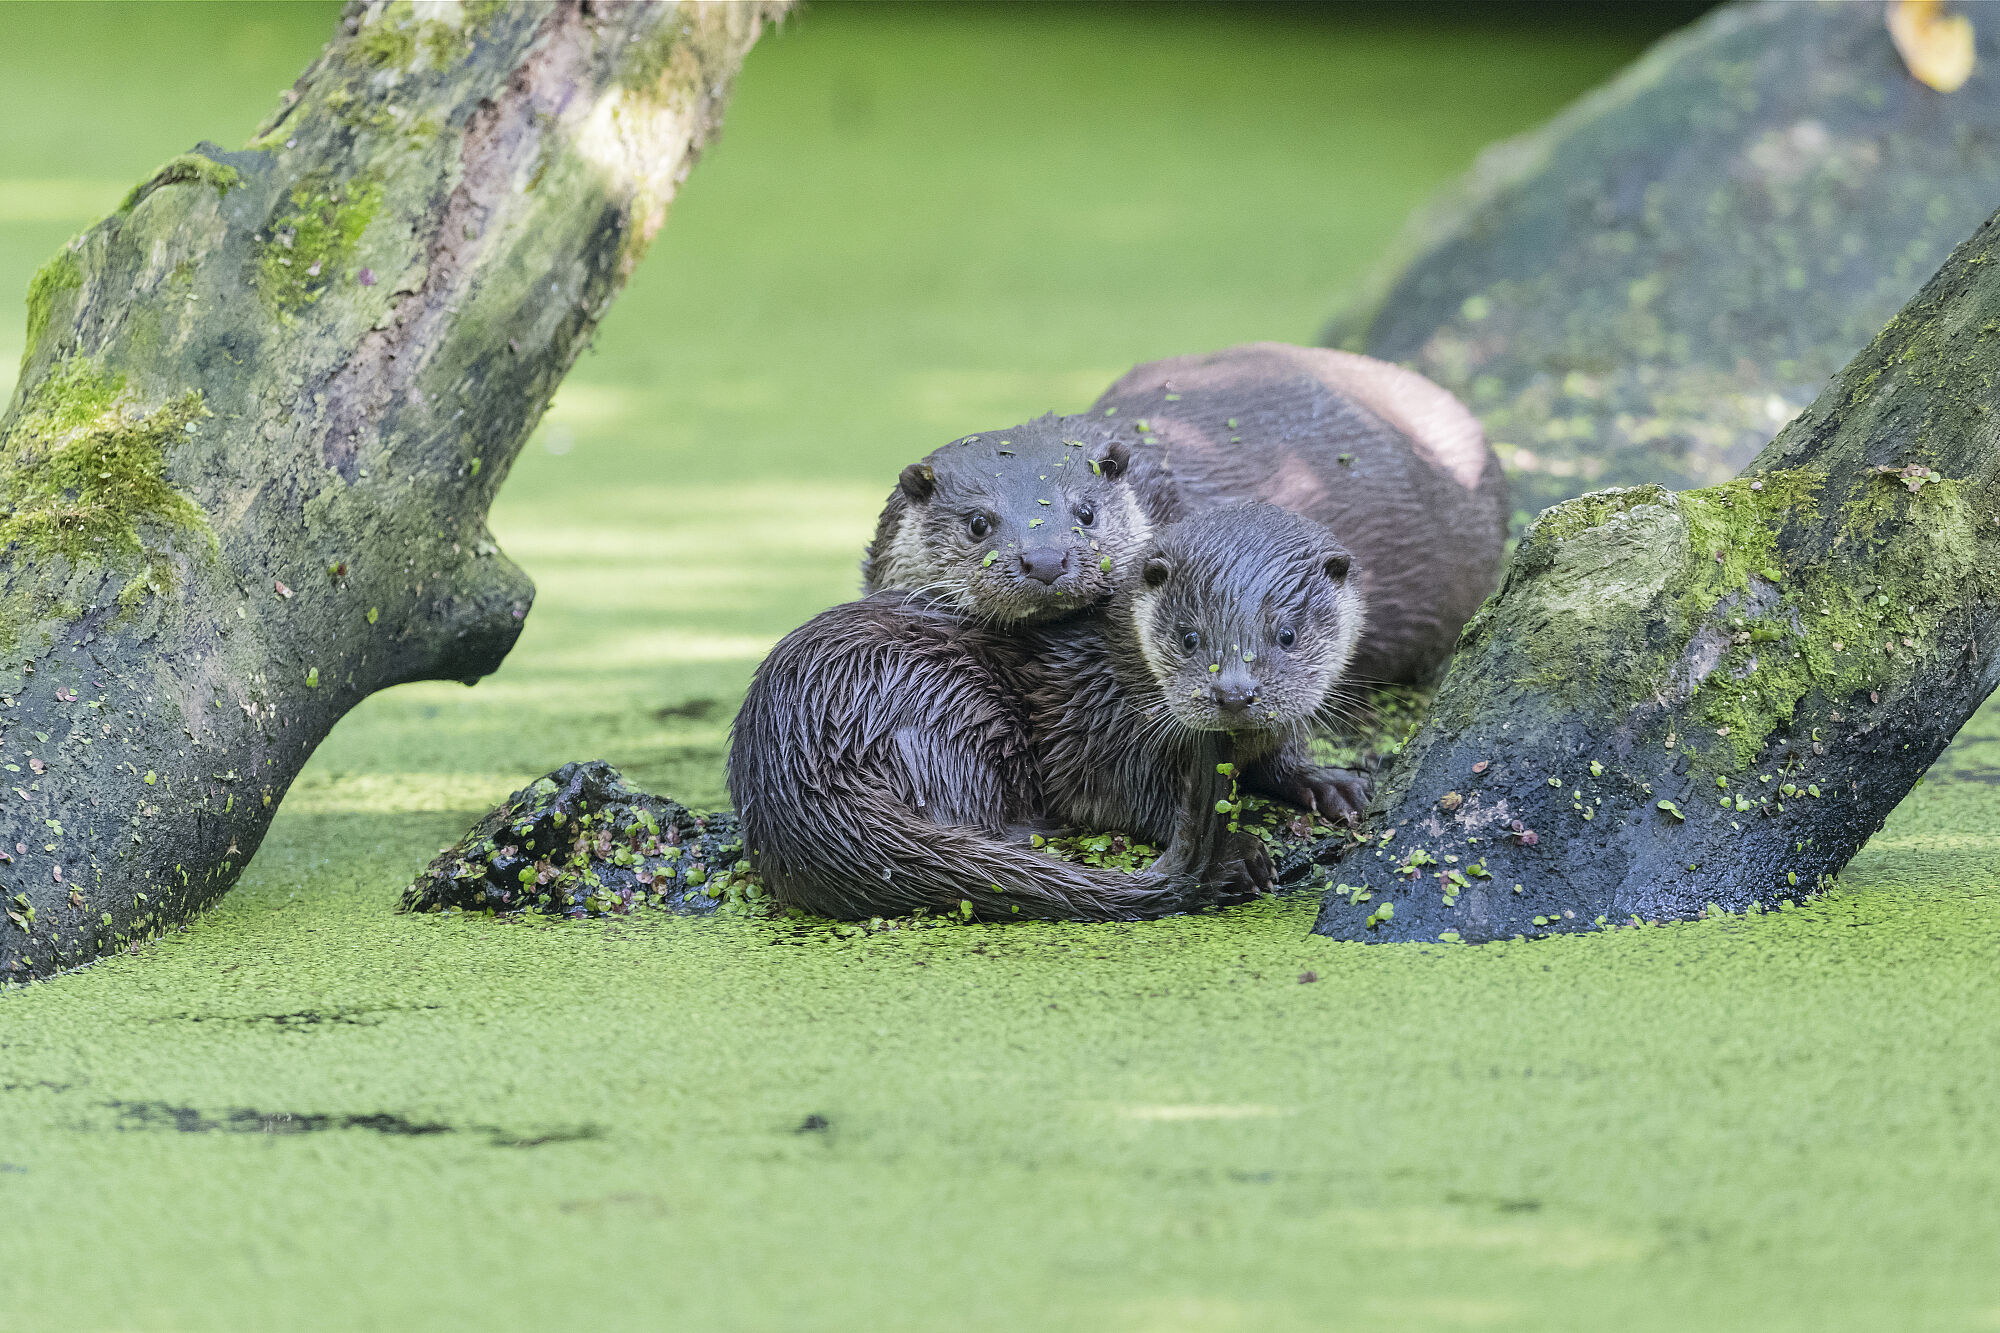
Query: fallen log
{"type": "Point", "coordinates": [1645, 289]}
{"type": "Point", "coordinates": [1709, 700]}
{"type": "Point", "coordinates": [264, 408]}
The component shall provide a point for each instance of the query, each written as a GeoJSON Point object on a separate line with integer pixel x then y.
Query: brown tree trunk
{"type": "Point", "coordinates": [263, 411]}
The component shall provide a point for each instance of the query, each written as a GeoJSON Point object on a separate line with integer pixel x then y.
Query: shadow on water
{"type": "Point", "coordinates": [140, 1116]}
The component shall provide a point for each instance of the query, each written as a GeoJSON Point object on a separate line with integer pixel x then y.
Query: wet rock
{"type": "Point", "coordinates": [582, 841]}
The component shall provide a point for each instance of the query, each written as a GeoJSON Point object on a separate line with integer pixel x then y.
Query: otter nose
{"type": "Point", "coordinates": [1044, 564]}
{"type": "Point", "coordinates": [1232, 695]}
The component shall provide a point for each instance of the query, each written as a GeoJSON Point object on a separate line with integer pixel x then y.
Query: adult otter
{"type": "Point", "coordinates": [1013, 526]}
{"type": "Point", "coordinates": [1395, 465]}
{"type": "Point", "coordinates": [888, 749]}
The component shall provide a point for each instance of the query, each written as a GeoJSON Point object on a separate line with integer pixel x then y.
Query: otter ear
{"type": "Point", "coordinates": [1337, 565]}
{"type": "Point", "coordinates": [1157, 569]}
{"type": "Point", "coordinates": [918, 482]}
{"type": "Point", "coordinates": [1113, 462]}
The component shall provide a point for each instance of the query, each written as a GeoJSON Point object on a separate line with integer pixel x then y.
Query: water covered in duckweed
{"type": "Point", "coordinates": [309, 1111]}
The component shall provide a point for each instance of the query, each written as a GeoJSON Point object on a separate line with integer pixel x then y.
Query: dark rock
{"type": "Point", "coordinates": [581, 841]}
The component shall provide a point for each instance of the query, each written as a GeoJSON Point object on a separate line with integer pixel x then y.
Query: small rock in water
{"type": "Point", "coordinates": [581, 841]}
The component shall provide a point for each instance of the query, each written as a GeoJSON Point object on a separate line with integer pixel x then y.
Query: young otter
{"type": "Point", "coordinates": [888, 749]}
{"type": "Point", "coordinates": [1394, 464]}
{"type": "Point", "coordinates": [883, 762]}
{"type": "Point", "coordinates": [1242, 619]}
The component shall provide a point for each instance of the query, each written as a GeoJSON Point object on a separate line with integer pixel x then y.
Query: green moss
{"type": "Point", "coordinates": [306, 248]}
{"type": "Point", "coordinates": [73, 392]}
{"type": "Point", "coordinates": [1823, 635]}
{"type": "Point", "coordinates": [650, 60]}
{"type": "Point", "coordinates": [64, 273]}
{"type": "Point", "coordinates": [1561, 522]}
{"type": "Point", "coordinates": [397, 38]}
{"type": "Point", "coordinates": [480, 13]}
{"type": "Point", "coordinates": [83, 476]}
{"type": "Point", "coordinates": [385, 43]}
{"type": "Point", "coordinates": [1734, 528]}
{"type": "Point", "coordinates": [1747, 619]}
{"type": "Point", "coordinates": [363, 113]}
{"type": "Point", "coordinates": [188, 168]}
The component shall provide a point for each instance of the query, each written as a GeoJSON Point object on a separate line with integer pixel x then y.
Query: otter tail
{"type": "Point", "coordinates": [897, 861]}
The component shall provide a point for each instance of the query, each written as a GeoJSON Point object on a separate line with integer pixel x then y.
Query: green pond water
{"type": "Point", "coordinates": [306, 1112]}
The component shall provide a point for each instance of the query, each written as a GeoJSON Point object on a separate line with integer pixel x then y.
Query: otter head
{"type": "Point", "coordinates": [1025, 524]}
{"type": "Point", "coordinates": [1246, 617]}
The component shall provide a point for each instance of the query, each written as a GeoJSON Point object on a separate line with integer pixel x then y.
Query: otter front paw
{"type": "Point", "coordinates": [1240, 870]}
{"type": "Point", "coordinates": [1337, 793]}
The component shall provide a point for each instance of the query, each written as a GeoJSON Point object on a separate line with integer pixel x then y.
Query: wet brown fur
{"type": "Point", "coordinates": [890, 751]}
{"type": "Point", "coordinates": [1118, 703]}
{"type": "Point", "coordinates": [1392, 463]}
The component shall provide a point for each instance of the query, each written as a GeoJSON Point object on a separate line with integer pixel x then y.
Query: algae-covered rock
{"type": "Point", "coordinates": [581, 841]}
{"type": "Point", "coordinates": [1648, 287]}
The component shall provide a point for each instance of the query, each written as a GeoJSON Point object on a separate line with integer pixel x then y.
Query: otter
{"type": "Point", "coordinates": [891, 753]}
{"type": "Point", "coordinates": [1242, 619]}
{"type": "Point", "coordinates": [1041, 522]}
{"type": "Point", "coordinates": [1013, 526]}
{"type": "Point", "coordinates": [883, 763]}
{"type": "Point", "coordinates": [1393, 463]}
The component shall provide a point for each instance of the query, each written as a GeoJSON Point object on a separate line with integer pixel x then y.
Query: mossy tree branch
{"type": "Point", "coordinates": [1713, 698]}
{"type": "Point", "coordinates": [1645, 288]}
{"type": "Point", "coordinates": [264, 409]}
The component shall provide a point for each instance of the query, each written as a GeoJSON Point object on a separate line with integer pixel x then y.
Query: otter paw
{"type": "Point", "coordinates": [1241, 870]}
{"type": "Point", "coordinates": [1337, 793]}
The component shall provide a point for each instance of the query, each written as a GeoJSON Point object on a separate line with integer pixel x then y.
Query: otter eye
{"type": "Point", "coordinates": [1086, 513]}
{"type": "Point", "coordinates": [978, 527]}
{"type": "Point", "coordinates": [1285, 636]}
{"type": "Point", "coordinates": [1190, 640]}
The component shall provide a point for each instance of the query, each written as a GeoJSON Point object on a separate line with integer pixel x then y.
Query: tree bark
{"type": "Point", "coordinates": [264, 409]}
{"type": "Point", "coordinates": [1645, 289]}
{"type": "Point", "coordinates": [1678, 703]}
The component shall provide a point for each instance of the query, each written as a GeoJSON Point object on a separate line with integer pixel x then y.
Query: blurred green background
{"type": "Point", "coordinates": [921, 220]}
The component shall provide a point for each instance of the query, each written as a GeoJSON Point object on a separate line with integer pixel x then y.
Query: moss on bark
{"type": "Point", "coordinates": [61, 274]}
{"type": "Point", "coordinates": [307, 247]}
{"type": "Point", "coordinates": [83, 481]}
{"type": "Point", "coordinates": [1647, 288]}
{"type": "Point", "coordinates": [284, 383]}
{"type": "Point", "coordinates": [1711, 699]}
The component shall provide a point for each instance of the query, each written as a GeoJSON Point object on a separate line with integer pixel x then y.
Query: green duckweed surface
{"type": "Point", "coordinates": [306, 1112]}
